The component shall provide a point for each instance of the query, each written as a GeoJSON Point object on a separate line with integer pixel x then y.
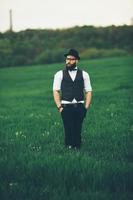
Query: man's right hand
{"type": "Point", "coordinates": [60, 110]}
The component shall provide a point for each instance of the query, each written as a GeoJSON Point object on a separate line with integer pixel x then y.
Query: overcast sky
{"type": "Point", "coordinates": [64, 13]}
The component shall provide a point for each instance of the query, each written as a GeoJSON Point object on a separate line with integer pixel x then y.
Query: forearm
{"type": "Point", "coordinates": [57, 100]}
{"type": "Point", "coordinates": [88, 97]}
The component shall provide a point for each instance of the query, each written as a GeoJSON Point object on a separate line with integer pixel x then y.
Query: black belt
{"type": "Point", "coordinates": [75, 105]}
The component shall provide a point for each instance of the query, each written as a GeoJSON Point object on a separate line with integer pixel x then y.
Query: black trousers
{"type": "Point", "coordinates": [73, 116]}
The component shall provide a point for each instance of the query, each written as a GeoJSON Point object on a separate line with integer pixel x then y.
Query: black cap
{"type": "Point", "coordinates": [73, 52]}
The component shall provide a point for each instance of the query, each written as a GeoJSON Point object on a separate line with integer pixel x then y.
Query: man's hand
{"type": "Point", "coordinates": [60, 109]}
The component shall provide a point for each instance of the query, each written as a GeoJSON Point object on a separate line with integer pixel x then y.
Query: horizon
{"type": "Point", "coordinates": [61, 29]}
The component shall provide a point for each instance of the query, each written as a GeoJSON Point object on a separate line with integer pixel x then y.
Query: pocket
{"type": "Point", "coordinates": [84, 111]}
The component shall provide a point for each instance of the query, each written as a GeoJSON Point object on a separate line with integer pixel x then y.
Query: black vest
{"type": "Point", "coordinates": [72, 89]}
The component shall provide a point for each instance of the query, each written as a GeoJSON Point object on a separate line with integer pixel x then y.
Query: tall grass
{"type": "Point", "coordinates": [34, 163]}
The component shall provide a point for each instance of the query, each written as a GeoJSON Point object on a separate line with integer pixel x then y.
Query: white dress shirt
{"type": "Point", "coordinates": [58, 79]}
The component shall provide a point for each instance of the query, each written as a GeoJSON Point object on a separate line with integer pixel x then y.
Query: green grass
{"type": "Point", "coordinates": [34, 164]}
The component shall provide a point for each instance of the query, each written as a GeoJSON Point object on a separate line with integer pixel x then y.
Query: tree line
{"type": "Point", "coordinates": [48, 45]}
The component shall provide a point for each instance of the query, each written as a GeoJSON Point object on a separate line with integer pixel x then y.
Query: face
{"type": "Point", "coordinates": [71, 61]}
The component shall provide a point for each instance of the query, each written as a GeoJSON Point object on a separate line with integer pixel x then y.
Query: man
{"type": "Point", "coordinates": [74, 100]}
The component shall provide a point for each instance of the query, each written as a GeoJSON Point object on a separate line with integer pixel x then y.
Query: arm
{"type": "Point", "coordinates": [57, 100]}
{"type": "Point", "coordinates": [88, 96]}
{"type": "Point", "coordinates": [56, 89]}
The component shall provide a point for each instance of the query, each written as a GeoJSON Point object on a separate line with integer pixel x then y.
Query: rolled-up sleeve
{"type": "Point", "coordinates": [87, 83]}
{"type": "Point", "coordinates": [57, 80]}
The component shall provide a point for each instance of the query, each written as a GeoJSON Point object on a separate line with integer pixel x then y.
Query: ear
{"type": "Point", "coordinates": [76, 61]}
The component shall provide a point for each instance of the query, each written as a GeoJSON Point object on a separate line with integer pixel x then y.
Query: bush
{"type": "Point", "coordinates": [97, 53]}
{"type": "Point", "coordinates": [50, 56]}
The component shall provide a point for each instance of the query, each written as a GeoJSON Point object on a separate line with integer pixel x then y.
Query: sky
{"type": "Point", "coordinates": [58, 14]}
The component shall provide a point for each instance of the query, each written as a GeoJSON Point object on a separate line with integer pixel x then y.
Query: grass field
{"type": "Point", "coordinates": [34, 164]}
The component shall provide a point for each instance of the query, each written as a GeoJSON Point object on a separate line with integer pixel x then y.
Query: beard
{"type": "Point", "coordinates": [70, 67]}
